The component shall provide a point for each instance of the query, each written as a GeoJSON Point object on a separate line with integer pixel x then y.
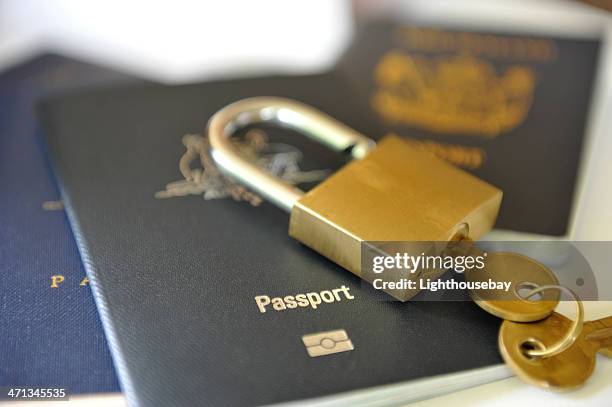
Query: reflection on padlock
{"type": "Point", "coordinates": [390, 192]}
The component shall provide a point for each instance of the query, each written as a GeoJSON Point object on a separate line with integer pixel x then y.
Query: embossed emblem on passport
{"type": "Point", "coordinates": [327, 343]}
{"type": "Point", "coordinates": [452, 94]}
{"type": "Point", "coordinates": [279, 159]}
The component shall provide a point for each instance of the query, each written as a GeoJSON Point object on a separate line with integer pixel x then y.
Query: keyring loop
{"type": "Point", "coordinates": [573, 332]}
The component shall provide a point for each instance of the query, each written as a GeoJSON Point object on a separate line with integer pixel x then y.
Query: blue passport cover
{"type": "Point", "coordinates": [51, 332]}
{"type": "Point", "coordinates": [175, 279]}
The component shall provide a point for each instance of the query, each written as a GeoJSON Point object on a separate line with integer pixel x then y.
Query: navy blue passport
{"type": "Point", "coordinates": [176, 277]}
{"type": "Point", "coordinates": [51, 332]}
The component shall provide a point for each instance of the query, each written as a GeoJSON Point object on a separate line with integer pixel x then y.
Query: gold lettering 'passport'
{"type": "Point", "coordinates": [511, 109]}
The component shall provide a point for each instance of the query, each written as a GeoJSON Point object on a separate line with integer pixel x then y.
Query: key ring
{"type": "Point", "coordinates": [573, 332]}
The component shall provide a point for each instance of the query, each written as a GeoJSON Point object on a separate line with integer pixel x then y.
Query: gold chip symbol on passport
{"type": "Point", "coordinates": [327, 343]}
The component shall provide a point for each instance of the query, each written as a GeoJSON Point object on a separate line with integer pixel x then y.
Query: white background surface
{"type": "Point", "coordinates": [179, 41]}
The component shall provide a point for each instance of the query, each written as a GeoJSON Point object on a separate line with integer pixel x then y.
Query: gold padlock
{"type": "Point", "coordinates": [391, 192]}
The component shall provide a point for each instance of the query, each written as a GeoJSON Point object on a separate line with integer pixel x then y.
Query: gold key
{"type": "Point", "coordinates": [522, 272]}
{"type": "Point", "coordinates": [555, 353]}
{"type": "Point", "coordinates": [390, 192]}
{"type": "Point", "coordinates": [567, 370]}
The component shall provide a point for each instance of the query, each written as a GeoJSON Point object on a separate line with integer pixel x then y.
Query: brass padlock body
{"type": "Point", "coordinates": [396, 193]}
{"type": "Point", "coordinates": [403, 199]}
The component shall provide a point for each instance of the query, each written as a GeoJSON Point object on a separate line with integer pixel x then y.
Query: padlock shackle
{"type": "Point", "coordinates": [286, 113]}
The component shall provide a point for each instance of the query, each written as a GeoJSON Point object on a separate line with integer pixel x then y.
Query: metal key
{"type": "Point", "coordinates": [522, 272]}
{"type": "Point", "coordinates": [568, 369]}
